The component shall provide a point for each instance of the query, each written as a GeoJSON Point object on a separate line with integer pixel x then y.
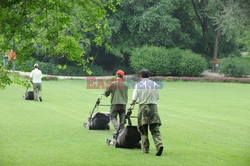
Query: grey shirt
{"type": "Point", "coordinates": [146, 92]}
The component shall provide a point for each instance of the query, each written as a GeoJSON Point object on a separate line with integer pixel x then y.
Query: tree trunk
{"type": "Point", "coordinates": [199, 7]}
{"type": "Point", "coordinates": [216, 43]}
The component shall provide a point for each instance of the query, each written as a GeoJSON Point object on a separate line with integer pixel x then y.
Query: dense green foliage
{"type": "Point", "coordinates": [246, 62]}
{"type": "Point", "coordinates": [65, 29]}
{"type": "Point", "coordinates": [57, 28]}
{"type": "Point", "coordinates": [141, 22]}
{"type": "Point", "coordinates": [99, 36]}
{"type": "Point", "coordinates": [167, 62]}
{"type": "Point", "coordinates": [192, 64]}
{"type": "Point", "coordinates": [7, 78]}
{"type": "Point", "coordinates": [188, 24]}
{"type": "Point", "coordinates": [169, 23]}
{"type": "Point", "coordinates": [198, 127]}
{"type": "Point", "coordinates": [233, 67]}
{"type": "Point", "coordinates": [53, 69]}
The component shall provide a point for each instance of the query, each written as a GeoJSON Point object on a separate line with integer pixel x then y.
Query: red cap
{"type": "Point", "coordinates": [120, 73]}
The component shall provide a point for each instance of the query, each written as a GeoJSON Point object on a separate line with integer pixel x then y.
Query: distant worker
{"type": "Point", "coordinates": [119, 98]}
{"type": "Point", "coordinates": [12, 59]}
{"type": "Point", "coordinates": [146, 92]}
{"type": "Point", "coordinates": [5, 60]}
{"type": "Point", "coordinates": [36, 80]}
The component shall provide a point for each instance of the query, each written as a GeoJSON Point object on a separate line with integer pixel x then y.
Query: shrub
{"type": "Point", "coordinates": [152, 58]}
{"type": "Point", "coordinates": [173, 58]}
{"type": "Point", "coordinates": [167, 62]}
{"type": "Point", "coordinates": [192, 64]}
{"type": "Point", "coordinates": [98, 71]}
{"type": "Point", "coordinates": [245, 60]}
{"type": "Point", "coordinates": [232, 67]}
{"type": "Point", "coordinates": [127, 70]}
{"type": "Point", "coordinates": [209, 79]}
{"type": "Point", "coordinates": [47, 78]}
{"type": "Point", "coordinates": [53, 69]}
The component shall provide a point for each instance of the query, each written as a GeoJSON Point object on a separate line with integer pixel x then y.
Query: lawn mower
{"type": "Point", "coordinates": [98, 120]}
{"type": "Point", "coordinates": [29, 95]}
{"type": "Point", "coordinates": [126, 137]}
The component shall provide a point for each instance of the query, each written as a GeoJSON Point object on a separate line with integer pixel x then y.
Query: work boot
{"type": "Point", "coordinates": [145, 149]}
{"type": "Point", "coordinates": [40, 98]}
{"type": "Point", "coordinates": [108, 141]}
{"type": "Point", "coordinates": [159, 151]}
{"type": "Point", "coordinates": [114, 134]}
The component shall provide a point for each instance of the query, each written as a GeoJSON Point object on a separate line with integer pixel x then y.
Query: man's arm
{"type": "Point", "coordinates": [108, 90]}
{"type": "Point", "coordinates": [41, 74]}
{"type": "Point", "coordinates": [31, 75]}
{"type": "Point", "coordinates": [157, 94]}
{"type": "Point", "coordinates": [134, 96]}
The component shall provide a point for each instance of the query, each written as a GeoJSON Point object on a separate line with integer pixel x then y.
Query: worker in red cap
{"type": "Point", "coordinates": [118, 90]}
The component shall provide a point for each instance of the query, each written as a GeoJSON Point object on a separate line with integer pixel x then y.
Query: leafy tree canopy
{"type": "Point", "coordinates": [57, 28]}
{"type": "Point", "coordinates": [63, 28]}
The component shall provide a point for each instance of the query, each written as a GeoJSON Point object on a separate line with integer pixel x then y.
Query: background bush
{"type": "Point", "coordinates": [232, 67]}
{"type": "Point", "coordinates": [53, 69]}
{"type": "Point", "coordinates": [245, 60]}
{"type": "Point", "coordinates": [167, 62]}
{"type": "Point", "coordinates": [192, 64]}
{"type": "Point", "coordinates": [151, 58]}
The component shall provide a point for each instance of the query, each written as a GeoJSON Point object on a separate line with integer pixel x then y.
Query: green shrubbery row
{"type": "Point", "coordinates": [160, 61]}
{"type": "Point", "coordinates": [168, 62]}
{"type": "Point", "coordinates": [53, 69]}
{"type": "Point", "coordinates": [233, 67]}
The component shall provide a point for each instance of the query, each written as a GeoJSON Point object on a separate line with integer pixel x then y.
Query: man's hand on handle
{"type": "Point", "coordinates": [132, 103]}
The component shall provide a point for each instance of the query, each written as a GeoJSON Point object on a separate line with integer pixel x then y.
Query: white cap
{"type": "Point", "coordinates": [36, 65]}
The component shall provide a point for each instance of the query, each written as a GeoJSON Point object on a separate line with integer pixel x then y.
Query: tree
{"type": "Point", "coordinates": [57, 28]}
{"type": "Point", "coordinates": [142, 22]}
{"type": "Point", "coordinates": [54, 26]}
{"type": "Point", "coordinates": [221, 21]}
{"type": "Point", "coordinates": [229, 20]}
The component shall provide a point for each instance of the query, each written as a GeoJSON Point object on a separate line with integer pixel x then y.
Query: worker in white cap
{"type": "Point", "coordinates": [36, 80]}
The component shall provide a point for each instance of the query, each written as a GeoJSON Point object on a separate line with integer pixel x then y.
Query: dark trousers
{"type": "Point", "coordinates": [118, 109]}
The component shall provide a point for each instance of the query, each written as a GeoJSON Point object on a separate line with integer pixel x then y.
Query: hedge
{"type": "Point", "coordinates": [53, 69]}
{"type": "Point", "coordinates": [167, 62]}
{"type": "Point", "coordinates": [232, 67]}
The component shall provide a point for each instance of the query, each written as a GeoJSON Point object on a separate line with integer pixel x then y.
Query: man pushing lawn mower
{"type": "Point", "coordinates": [118, 91]}
{"type": "Point", "coordinates": [146, 92]}
{"type": "Point", "coordinates": [36, 80]}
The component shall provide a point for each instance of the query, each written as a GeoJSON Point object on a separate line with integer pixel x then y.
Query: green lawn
{"type": "Point", "coordinates": [203, 124]}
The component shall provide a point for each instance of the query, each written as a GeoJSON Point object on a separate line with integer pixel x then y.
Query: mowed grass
{"type": "Point", "coordinates": [203, 124]}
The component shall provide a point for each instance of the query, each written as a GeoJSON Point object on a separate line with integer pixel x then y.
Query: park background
{"type": "Point", "coordinates": [169, 37]}
{"type": "Point", "coordinates": [204, 123]}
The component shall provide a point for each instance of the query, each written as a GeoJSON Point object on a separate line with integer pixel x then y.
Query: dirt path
{"type": "Point", "coordinates": [206, 73]}
{"type": "Point", "coordinates": [27, 74]}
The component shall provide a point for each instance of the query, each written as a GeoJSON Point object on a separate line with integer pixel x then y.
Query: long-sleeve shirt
{"type": "Point", "coordinates": [146, 92]}
{"type": "Point", "coordinates": [118, 91]}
